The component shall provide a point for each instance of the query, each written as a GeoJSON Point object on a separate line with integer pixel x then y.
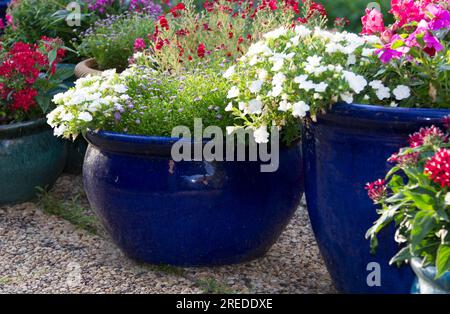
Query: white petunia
{"type": "Point", "coordinates": [68, 116]}
{"type": "Point", "coordinates": [347, 97]}
{"type": "Point", "coordinates": [377, 84]}
{"type": "Point", "coordinates": [402, 92]}
{"type": "Point", "coordinates": [276, 91]}
{"type": "Point", "coordinates": [262, 74]}
{"type": "Point", "coordinates": [233, 92]}
{"type": "Point", "coordinates": [356, 82]}
{"type": "Point", "coordinates": [302, 31]}
{"type": "Point", "coordinates": [255, 86]}
{"type": "Point", "coordinates": [85, 116]}
{"type": "Point", "coordinates": [229, 107]}
{"type": "Point", "coordinates": [383, 93]}
{"type": "Point", "coordinates": [351, 60]}
{"type": "Point", "coordinates": [367, 52]}
{"type": "Point", "coordinates": [278, 79]}
{"type": "Point", "coordinates": [300, 109]}
{"type": "Point", "coordinates": [228, 73]}
{"type": "Point", "coordinates": [261, 135]}
{"type": "Point", "coordinates": [284, 105]}
{"type": "Point", "coordinates": [275, 33]}
{"type": "Point", "coordinates": [300, 79]}
{"type": "Point", "coordinates": [254, 106]}
{"type": "Point", "coordinates": [322, 87]}
{"type": "Point", "coordinates": [307, 85]}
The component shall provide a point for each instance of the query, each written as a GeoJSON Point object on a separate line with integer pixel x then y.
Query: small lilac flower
{"type": "Point", "coordinates": [117, 116]}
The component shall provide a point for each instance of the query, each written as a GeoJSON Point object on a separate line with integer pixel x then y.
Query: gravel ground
{"type": "Point", "coordinates": [41, 252]}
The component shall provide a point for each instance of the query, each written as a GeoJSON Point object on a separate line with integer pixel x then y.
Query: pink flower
{"type": "Point", "coordinates": [441, 17]}
{"type": "Point", "coordinates": [139, 44]}
{"type": "Point", "coordinates": [373, 22]}
{"type": "Point", "coordinates": [376, 190]}
{"type": "Point", "coordinates": [427, 135]}
{"type": "Point", "coordinates": [438, 167]}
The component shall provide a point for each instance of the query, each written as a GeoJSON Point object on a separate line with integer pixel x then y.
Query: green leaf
{"type": "Point", "coordinates": [423, 223]}
{"type": "Point", "coordinates": [43, 102]}
{"type": "Point", "coordinates": [52, 56]}
{"type": "Point", "coordinates": [421, 200]}
{"type": "Point", "coordinates": [64, 73]}
{"type": "Point", "coordinates": [442, 260]}
{"type": "Point", "coordinates": [403, 255]}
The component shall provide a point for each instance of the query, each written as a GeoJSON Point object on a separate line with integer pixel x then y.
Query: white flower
{"type": "Point", "coordinates": [347, 97]}
{"type": "Point", "coordinates": [300, 109]}
{"type": "Point", "coordinates": [275, 33]}
{"type": "Point", "coordinates": [58, 97]}
{"type": "Point", "coordinates": [233, 92]}
{"type": "Point", "coordinates": [120, 88]}
{"type": "Point", "coordinates": [59, 130]}
{"type": "Point", "coordinates": [394, 104]}
{"type": "Point", "coordinates": [302, 31]}
{"type": "Point", "coordinates": [402, 92]}
{"type": "Point", "coordinates": [229, 107]}
{"type": "Point", "coordinates": [262, 74]}
{"type": "Point", "coordinates": [367, 52]}
{"type": "Point", "coordinates": [278, 79]}
{"type": "Point", "coordinates": [254, 106]}
{"type": "Point", "coordinates": [351, 60]}
{"type": "Point", "coordinates": [383, 93]}
{"type": "Point", "coordinates": [255, 86]}
{"type": "Point", "coordinates": [376, 84]}
{"type": "Point", "coordinates": [258, 48]}
{"type": "Point", "coordinates": [356, 82]}
{"type": "Point", "coordinates": [284, 105]}
{"type": "Point", "coordinates": [307, 85]}
{"type": "Point", "coordinates": [300, 79]}
{"type": "Point", "coordinates": [68, 116]}
{"type": "Point", "coordinates": [276, 91]}
{"type": "Point", "coordinates": [228, 73]}
{"type": "Point", "coordinates": [261, 135]}
{"type": "Point", "coordinates": [85, 116]}
{"type": "Point", "coordinates": [322, 87]}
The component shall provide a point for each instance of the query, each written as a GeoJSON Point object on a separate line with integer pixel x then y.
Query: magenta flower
{"type": "Point", "coordinates": [441, 17]}
{"type": "Point", "coordinates": [139, 44]}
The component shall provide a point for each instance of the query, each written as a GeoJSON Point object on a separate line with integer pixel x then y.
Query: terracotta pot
{"type": "Point", "coordinates": [86, 67]}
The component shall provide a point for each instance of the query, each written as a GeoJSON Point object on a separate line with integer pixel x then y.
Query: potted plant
{"type": "Point", "coordinates": [415, 197]}
{"type": "Point", "coordinates": [157, 208]}
{"type": "Point", "coordinates": [329, 74]}
{"type": "Point", "coordinates": [351, 141]}
{"type": "Point", "coordinates": [111, 42]}
{"type": "Point", "coordinates": [28, 74]}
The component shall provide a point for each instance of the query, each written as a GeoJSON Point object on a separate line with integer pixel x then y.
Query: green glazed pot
{"type": "Point", "coordinates": [30, 157]}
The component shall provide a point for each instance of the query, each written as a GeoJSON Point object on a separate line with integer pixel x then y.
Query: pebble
{"type": "Point", "coordinates": [46, 254]}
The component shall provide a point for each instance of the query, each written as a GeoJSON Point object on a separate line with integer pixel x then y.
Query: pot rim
{"type": "Point", "coordinates": [23, 128]}
{"type": "Point", "coordinates": [372, 116]}
{"type": "Point", "coordinates": [429, 272]}
{"type": "Point", "coordinates": [86, 67]}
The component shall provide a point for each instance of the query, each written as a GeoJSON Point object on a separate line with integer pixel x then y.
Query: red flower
{"type": "Point", "coordinates": [273, 5]}
{"type": "Point", "coordinates": [24, 99]}
{"type": "Point", "coordinates": [376, 190]}
{"type": "Point", "coordinates": [230, 35]}
{"type": "Point", "coordinates": [240, 40]}
{"type": "Point", "coordinates": [201, 49]}
{"type": "Point", "coordinates": [176, 9]}
{"type": "Point", "coordinates": [438, 167]}
{"type": "Point", "coordinates": [163, 22]}
{"type": "Point", "coordinates": [426, 136]}
{"type": "Point", "coordinates": [209, 6]}
{"type": "Point", "coordinates": [404, 160]}
{"type": "Point", "coordinates": [316, 8]}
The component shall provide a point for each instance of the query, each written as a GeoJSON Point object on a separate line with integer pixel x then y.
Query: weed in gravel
{"type": "Point", "coordinates": [71, 210]}
{"type": "Point", "coordinates": [213, 286]}
{"type": "Point", "coordinates": [5, 280]}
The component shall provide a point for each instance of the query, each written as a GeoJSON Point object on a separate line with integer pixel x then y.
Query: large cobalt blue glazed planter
{"type": "Point", "coordinates": [30, 157]}
{"type": "Point", "coordinates": [343, 150]}
{"type": "Point", "coordinates": [188, 213]}
{"type": "Point", "coordinates": [425, 282]}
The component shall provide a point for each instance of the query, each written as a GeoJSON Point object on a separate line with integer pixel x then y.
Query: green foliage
{"type": "Point", "coordinates": [71, 210]}
{"type": "Point", "coordinates": [111, 41]}
{"type": "Point", "coordinates": [33, 19]}
{"type": "Point", "coordinates": [418, 206]}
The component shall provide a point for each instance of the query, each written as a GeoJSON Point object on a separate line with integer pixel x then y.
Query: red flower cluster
{"type": "Point", "coordinates": [438, 167]}
{"type": "Point", "coordinates": [20, 67]}
{"type": "Point", "coordinates": [236, 9]}
{"type": "Point", "coordinates": [404, 160]}
{"type": "Point", "coordinates": [376, 190]}
{"type": "Point", "coordinates": [427, 135]}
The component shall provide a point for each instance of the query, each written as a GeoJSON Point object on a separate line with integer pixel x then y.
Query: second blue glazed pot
{"type": "Point", "coordinates": [188, 213]}
{"type": "Point", "coordinates": [426, 282]}
{"type": "Point", "coordinates": [343, 150]}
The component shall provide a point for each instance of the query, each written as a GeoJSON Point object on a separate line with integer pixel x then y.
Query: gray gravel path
{"type": "Point", "coordinates": [44, 253]}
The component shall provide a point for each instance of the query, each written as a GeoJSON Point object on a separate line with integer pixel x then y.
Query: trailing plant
{"type": "Point", "coordinates": [415, 196]}
{"type": "Point", "coordinates": [141, 101]}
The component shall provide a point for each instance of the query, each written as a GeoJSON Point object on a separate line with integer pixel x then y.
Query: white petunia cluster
{"type": "Point", "coordinates": [293, 72]}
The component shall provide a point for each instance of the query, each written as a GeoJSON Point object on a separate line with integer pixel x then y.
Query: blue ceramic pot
{"type": "Point", "coordinates": [425, 282]}
{"type": "Point", "coordinates": [30, 157]}
{"type": "Point", "coordinates": [343, 150]}
{"type": "Point", "coordinates": [188, 213]}
{"type": "Point", "coordinates": [3, 6]}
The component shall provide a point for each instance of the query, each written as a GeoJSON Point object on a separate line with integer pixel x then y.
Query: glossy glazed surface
{"type": "Point", "coordinates": [188, 213]}
{"type": "Point", "coordinates": [343, 150]}
{"type": "Point", "coordinates": [30, 156]}
{"type": "Point", "coordinates": [425, 282]}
